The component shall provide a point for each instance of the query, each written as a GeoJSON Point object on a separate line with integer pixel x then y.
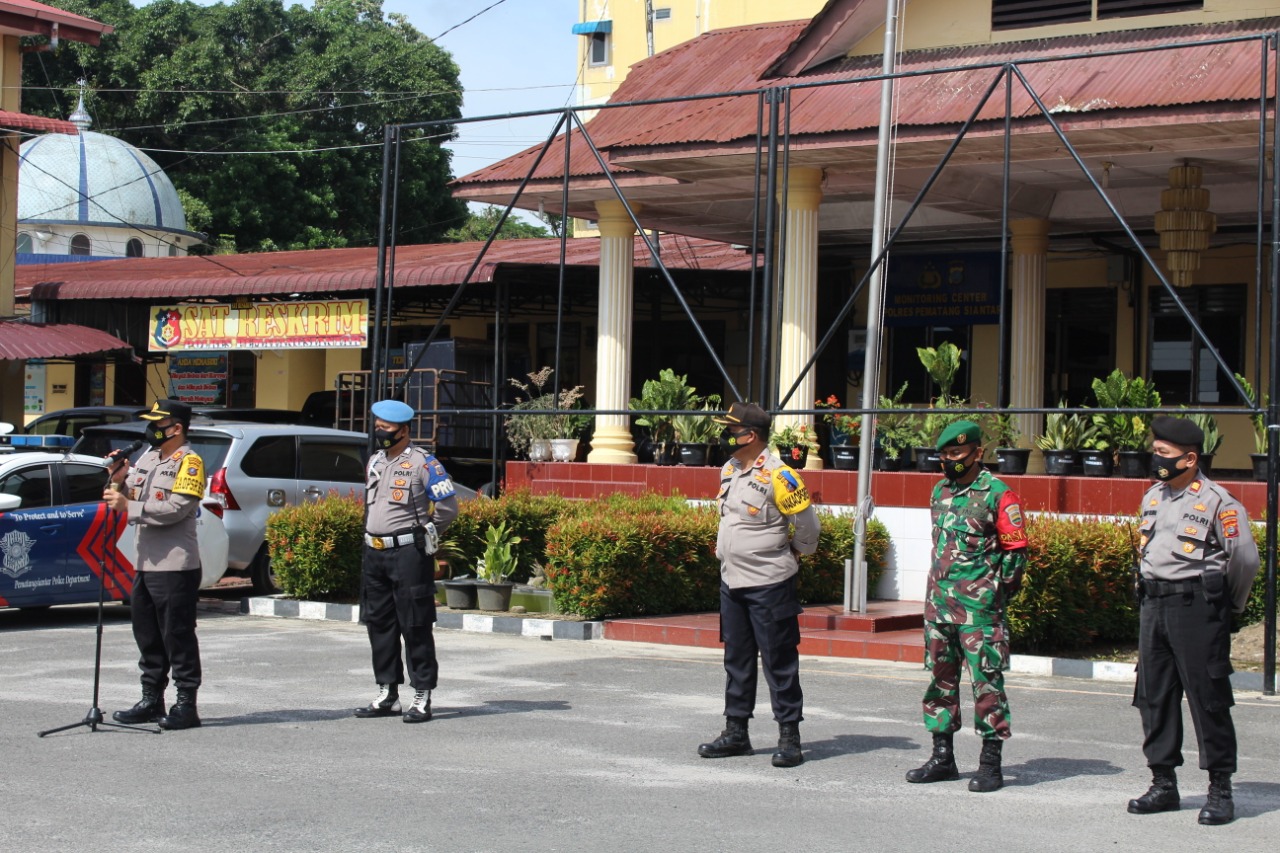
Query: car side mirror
{"type": "Point", "coordinates": [8, 502]}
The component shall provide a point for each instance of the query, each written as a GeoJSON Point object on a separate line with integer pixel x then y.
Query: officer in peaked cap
{"type": "Point", "coordinates": [760, 499]}
{"type": "Point", "coordinates": [409, 502]}
{"type": "Point", "coordinates": [978, 558]}
{"type": "Point", "coordinates": [1198, 561]}
{"type": "Point", "coordinates": [161, 494]}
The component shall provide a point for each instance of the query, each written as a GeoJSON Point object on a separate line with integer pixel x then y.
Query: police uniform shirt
{"type": "Point", "coordinates": [406, 491]}
{"type": "Point", "coordinates": [164, 494]}
{"type": "Point", "coordinates": [759, 502]}
{"type": "Point", "coordinates": [1200, 528]}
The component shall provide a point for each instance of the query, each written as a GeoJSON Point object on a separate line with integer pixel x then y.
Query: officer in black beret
{"type": "Point", "coordinates": [1198, 561]}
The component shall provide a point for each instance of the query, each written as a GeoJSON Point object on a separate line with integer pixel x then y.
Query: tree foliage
{"type": "Point", "coordinates": [177, 79]}
{"type": "Point", "coordinates": [480, 225]}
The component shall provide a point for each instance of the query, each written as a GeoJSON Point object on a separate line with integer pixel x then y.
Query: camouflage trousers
{"type": "Point", "coordinates": [986, 653]}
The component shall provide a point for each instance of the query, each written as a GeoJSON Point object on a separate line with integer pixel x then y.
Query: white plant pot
{"type": "Point", "coordinates": [540, 450]}
{"type": "Point", "coordinates": [564, 449]}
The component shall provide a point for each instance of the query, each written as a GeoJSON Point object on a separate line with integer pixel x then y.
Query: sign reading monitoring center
{"type": "Point", "coordinates": [959, 289]}
{"type": "Point", "coordinates": [327, 324]}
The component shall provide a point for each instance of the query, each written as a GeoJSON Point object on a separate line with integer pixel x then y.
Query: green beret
{"type": "Point", "coordinates": [960, 434]}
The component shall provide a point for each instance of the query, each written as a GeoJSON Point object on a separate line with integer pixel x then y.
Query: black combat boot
{"type": "Point", "coordinates": [149, 708]}
{"type": "Point", "coordinates": [941, 766]}
{"type": "Point", "coordinates": [386, 703]}
{"type": "Point", "coordinates": [420, 710]}
{"type": "Point", "coordinates": [732, 741]}
{"type": "Point", "coordinates": [1162, 796]}
{"type": "Point", "coordinates": [1219, 808]}
{"type": "Point", "coordinates": [789, 752]}
{"type": "Point", "coordinates": [183, 713]}
{"type": "Point", "coordinates": [988, 778]}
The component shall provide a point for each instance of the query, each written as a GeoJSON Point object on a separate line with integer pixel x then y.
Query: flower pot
{"type": "Point", "coordinates": [666, 454]}
{"type": "Point", "coordinates": [540, 450]}
{"type": "Point", "coordinates": [1135, 463]}
{"type": "Point", "coordinates": [844, 457]}
{"type": "Point", "coordinates": [1012, 460]}
{"type": "Point", "coordinates": [928, 461]}
{"type": "Point", "coordinates": [1259, 465]}
{"type": "Point", "coordinates": [694, 454]}
{"type": "Point", "coordinates": [564, 449]}
{"type": "Point", "coordinates": [493, 596]}
{"type": "Point", "coordinates": [1096, 463]}
{"type": "Point", "coordinates": [884, 463]}
{"type": "Point", "coordinates": [793, 455]}
{"type": "Point", "coordinates": [1058, 462]}
{"type": "Point", "coordinates": [460, 594]}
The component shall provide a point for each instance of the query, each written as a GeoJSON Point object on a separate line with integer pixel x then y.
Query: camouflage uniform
{"type": "Point", "coordinates": [978, 558]}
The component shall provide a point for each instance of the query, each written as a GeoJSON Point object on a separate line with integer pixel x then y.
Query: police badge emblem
{"type": "Point", "coordinates": [17, 547]}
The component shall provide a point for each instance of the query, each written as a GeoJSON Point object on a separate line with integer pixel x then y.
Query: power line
{"type": "Point", "coordinates": [468, 20]}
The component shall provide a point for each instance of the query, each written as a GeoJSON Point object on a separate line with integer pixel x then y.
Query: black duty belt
{"type": "Point", "coordinates": [1160, 589]}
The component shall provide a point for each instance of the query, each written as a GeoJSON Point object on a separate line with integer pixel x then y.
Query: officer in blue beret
{"type": "Point", "coordinates": [409, 502]}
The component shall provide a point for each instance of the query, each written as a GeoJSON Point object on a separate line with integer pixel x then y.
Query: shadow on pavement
{"type": "Point", "coordinates": [291, 715]}
{"type": "Point", "coordinates": [506, 706]}
{"type": "Point", "coordinates": [853, 745]}
{"type": "Point", "coordinates": [1039, 770]}
{"type": "Point", "coordinates": [1261, 797]}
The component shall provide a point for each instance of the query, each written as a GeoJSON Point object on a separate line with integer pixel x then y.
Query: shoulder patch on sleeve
{"type": "Point", "coordinates": [190, 479]}
{"type": "Point", "coordinates": [789, 491]}
{"type": "Point", "coordinates": [1010, 525]}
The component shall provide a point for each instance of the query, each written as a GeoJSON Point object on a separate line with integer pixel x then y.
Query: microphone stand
{"type": "Point", "coordinates": [93, 719]}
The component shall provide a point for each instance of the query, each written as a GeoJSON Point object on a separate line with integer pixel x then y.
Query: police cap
{"type": "Point", "coordinates": [392, 411]}
{"type": "Point", "coordinates": [175, 409]}
{"type": "Point", "coordinates": [960, 434]}
{"type": "Point", "coordinates": [1178, 431]}
{"type": "Point", "coordinates": [746, 415]}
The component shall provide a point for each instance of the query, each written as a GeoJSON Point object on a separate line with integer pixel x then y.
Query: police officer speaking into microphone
{"type": "Point", "coordinates": [409, 502]}
{"type": "Point", "coordinates": [1198, 561]}
{"type": "Point", "coordinates": [760, 500]}
{"type": "Point", "coordinates": [161, 495]}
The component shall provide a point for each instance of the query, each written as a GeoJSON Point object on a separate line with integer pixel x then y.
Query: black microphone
{"type": "Point", "coordinates": [125, 452]}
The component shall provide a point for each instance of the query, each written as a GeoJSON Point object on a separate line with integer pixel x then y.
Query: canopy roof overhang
{"type": "Point", "coordinates": [20, 340]}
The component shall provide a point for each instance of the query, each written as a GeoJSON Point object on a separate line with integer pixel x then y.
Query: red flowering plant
{"type": "Point", "coordinates": [794, 441]}
{"type": "Point", "coordinates": [845, 428]}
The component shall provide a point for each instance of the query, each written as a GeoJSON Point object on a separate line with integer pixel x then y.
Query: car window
{"type": "Point", "coordinates": [44, 426]}
{"type": "Point", "coordinates": [75, 424]}
{"type": "Point", "coordinates": [32, 485]}
{"type": "Point", "coordinates": [273, 456]}
{"type": "Point", "coordinates": [331, 460]}
{"type": "Point", "coordinates": [212, 450]}
{"type": "Point", "coordinates": [84, 482]}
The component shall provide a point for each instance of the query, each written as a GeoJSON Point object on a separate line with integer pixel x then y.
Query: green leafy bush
{"type": "Point", "coordinates": [316, 548]}
{"type": "Point", "coordinates": [525, 515]}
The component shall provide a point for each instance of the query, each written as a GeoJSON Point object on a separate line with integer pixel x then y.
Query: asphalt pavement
{"type": "Point", "coordinates": [557, 745]}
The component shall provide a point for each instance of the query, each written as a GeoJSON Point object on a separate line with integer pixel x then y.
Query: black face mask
{"type": "Point", "coordinates": [956, 469]}
{"type": "Point", "coordinates": [729, 443]}
{"type": "Point", "coordinates": [156, 436]}
{"type": "Point", "coordinates": [386, 438]}
{"type": "Point", "coordinates": [1165, 468]}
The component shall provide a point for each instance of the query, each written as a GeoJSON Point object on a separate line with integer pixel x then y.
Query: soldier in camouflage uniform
{"type": "Point", "coordinates": [978, 558]}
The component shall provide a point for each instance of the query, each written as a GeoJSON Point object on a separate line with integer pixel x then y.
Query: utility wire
{"type": "Point", "coordinates": [468, 20]}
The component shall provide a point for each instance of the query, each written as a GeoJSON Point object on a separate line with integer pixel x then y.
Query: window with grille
{"type": "Point", "coordinates": [80, 245]}
{"type": "Point", "coordinates": [1134, 8]}
{"type": "Point", "coordinates": [1182, 367]}
{"type": "Point", "coordinates": [1015, 14]}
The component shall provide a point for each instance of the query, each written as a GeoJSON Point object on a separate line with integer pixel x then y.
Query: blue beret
{"type": "Point", "coordinates": [392, 411]}
{"type": "Point", "coordinates": [960, 434]}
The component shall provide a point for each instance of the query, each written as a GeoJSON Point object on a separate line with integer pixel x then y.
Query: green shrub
{"type": "Point", "coordinates": [526, 515]}
{"type": "Point", "coordinates": [316, 548]}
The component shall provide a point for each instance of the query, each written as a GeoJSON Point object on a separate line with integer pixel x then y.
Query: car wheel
{"type": "Point", "coordinates": [264, 580]}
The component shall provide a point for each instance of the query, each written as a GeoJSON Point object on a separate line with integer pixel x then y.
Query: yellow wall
{"type": "Point", "coordinates": [286, 377]}
{"type": "Point", "coordinates": [55, 375]}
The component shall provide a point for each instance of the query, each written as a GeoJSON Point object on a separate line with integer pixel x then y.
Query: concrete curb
{"type": "Point", "coordinates": [479, 623]}
{"type": "Point", "coordinates": [558, 629]}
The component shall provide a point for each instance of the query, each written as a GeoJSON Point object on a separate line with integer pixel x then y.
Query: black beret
{"type": "Point", "coordinates": [1178, 431]}
{"type": "Point", "coordinates": [747, 415]}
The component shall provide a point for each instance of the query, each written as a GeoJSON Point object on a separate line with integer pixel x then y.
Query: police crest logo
{"type": "Point", "coordinates": [17, 547]}
{"type": "Point", "coordinates": [1230, 519]}
{"type": "Point", "coordinates": [1014, 513]}
{"type": "Point", "coordinates": [397, 494]}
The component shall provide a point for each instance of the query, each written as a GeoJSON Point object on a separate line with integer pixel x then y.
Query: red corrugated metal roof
{"type": "Point", "coordinates": [21, 121]}
{"type": "Point", "coordinates": [330, 270]}
{"type": "Point", "coordinates": [20, 341]}
{"type": "Point", "coordinates": [733, 60]}
{"type": "Point", "coordinates": [70, 26]}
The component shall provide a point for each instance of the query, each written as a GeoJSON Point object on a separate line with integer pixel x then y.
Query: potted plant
{"type": "Point", "coordinates": [1212, 437]}
{"type": "Point", "coordinates": [1004, 431]}
{"type": "Point", "coordinates": [459, 590]}
{"type": "Point", "coordinates": [1064, 435]}
{"type": "Point", "coordinates": [667, 393]}
{"type": "Point", "coordinates": [1120, 431]}
{"type": "Point", "coordinates": [895, 433]}
{"type": "Point", "coordinates": [1259, 456]}
{"type": "Point", "coordinates": [493, 591]}
{"type": "Point", "coordinates": [941, 363]}
{"type": "Point", "coordinates": [845, 431]}
{"type": "Point", "coordinates": [696, 432]}
{"type": "Point", "coordinates": [537, 436]}
{"type": "Point", "coordinates": [793, 443]}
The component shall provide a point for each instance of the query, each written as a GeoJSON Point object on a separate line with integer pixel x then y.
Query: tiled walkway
{"type": "Point", "coordinates": [889, 630]}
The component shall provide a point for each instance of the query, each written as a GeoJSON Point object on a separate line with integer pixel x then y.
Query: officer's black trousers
{"type": "Point", "coordinates": [163, 610]}
{"type": "Point", "coordinates": [1185, 645]}
{"type": "Point", "coordinates": [762, 620]}
{"type": "Point", "coordinates": [399, 601]}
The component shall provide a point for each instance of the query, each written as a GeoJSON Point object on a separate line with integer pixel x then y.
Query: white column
{"type": "Point", "coordinates": [800, 295]}
{"type": "Point", "coordinates": [611, 443]}
{"type": "Point", "coordinates": [1030, 244]}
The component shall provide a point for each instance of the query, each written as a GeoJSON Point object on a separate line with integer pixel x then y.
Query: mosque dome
{"type": "Point", "coordinates": [98, 184]}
